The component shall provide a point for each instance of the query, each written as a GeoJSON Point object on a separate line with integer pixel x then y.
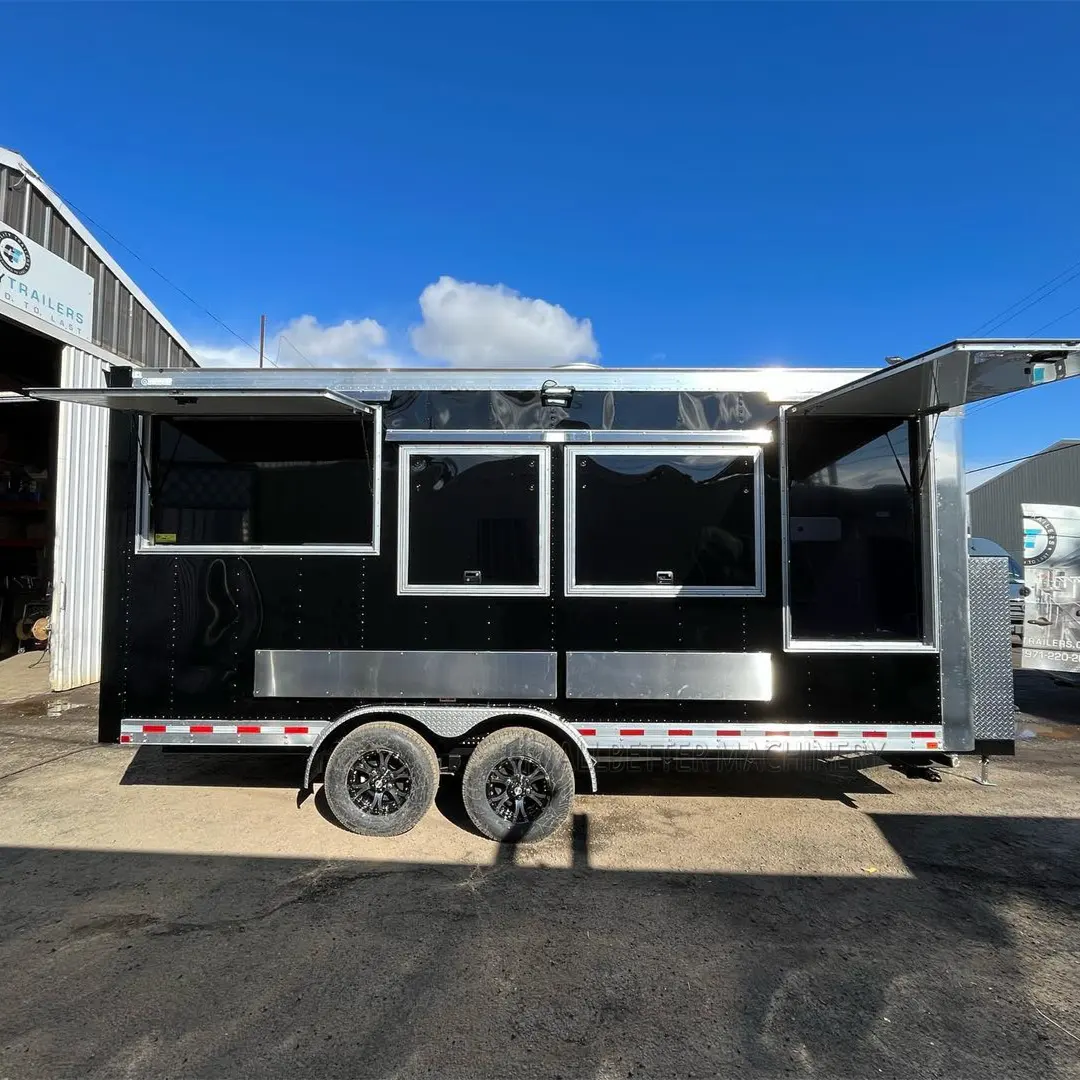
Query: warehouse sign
{"type": "Point", "coordinates": [1052, 574]}
{"type": "Point", "coordinates": [36, 282]}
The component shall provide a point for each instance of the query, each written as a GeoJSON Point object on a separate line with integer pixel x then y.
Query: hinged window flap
{"type": "Point", "coordinates": [948, 377]}
{"type": "Point", "coordinates": [168, 401]}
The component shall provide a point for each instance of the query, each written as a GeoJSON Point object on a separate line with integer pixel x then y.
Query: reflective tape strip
{"type": "Point", "coordinates": [653, 735]}
{"type": "Point", "coordinates": [842, 739]}
{"type": "Point", "coordinates": [219, 733]}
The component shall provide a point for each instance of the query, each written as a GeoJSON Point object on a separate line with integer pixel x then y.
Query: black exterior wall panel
{"type": "Point", "coordinates": [181, 630]}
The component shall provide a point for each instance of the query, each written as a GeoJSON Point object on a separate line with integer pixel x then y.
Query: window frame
{"type": "Point", "coordinates": [926, 533]}
{"type": "Point", "coordinates": [660, 450]}
{"type": "Point", "coordinates": [499, 450]}
{"type": "Point", "coordinates": [145, 545]}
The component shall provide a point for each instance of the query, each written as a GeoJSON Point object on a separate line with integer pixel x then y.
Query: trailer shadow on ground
{"type": "Point", "coordinates": [160, 965]}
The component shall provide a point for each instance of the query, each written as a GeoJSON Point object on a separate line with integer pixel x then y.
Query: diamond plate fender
{"type": "Point", "coordinates": [450, 722]}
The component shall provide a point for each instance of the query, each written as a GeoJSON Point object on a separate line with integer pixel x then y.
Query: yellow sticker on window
{"type": "Point", "coordinates": [164, 538]}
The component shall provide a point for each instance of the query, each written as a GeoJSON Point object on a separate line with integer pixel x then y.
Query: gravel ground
{"type": "Point", "coordinates": [167, 915]}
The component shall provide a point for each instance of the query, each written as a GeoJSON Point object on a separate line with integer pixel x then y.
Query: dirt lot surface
{"type": "Point", "coordinates": [168, 915]}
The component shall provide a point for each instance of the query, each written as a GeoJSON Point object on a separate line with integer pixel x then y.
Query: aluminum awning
{"type": "Point", "coordinates": [167, 401]}
{"type": "Point", "coordinates": [947, 377]}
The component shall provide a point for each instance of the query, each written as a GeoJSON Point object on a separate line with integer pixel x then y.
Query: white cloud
{"type": "Point", "coordinates": [304, 342]}
{"type": "Point", "coordinates": [471, 325]}
{"type": "Point", "coordinates": [463, 324]}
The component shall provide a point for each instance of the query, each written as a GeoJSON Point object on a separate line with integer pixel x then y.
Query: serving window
{"type": "Point", "coordinates": [859, 533]}
{"type": "Point", "coordinates": [276, 484]}
{"type": "Point", "coordinates": [474, 520]}
{"type": "Point", "coordinates": [651, 521]}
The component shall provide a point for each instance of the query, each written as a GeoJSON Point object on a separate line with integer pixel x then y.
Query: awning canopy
{"type": "Point", "coordinates": [950, 376]}
{"type": "Point", "coordinates": [164, 401]}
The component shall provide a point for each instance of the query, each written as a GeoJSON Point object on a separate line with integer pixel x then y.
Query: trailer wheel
{"type": "Point", "coordinates": [381, 779]}
{"type": "Point", "coordinates": [517, 785]}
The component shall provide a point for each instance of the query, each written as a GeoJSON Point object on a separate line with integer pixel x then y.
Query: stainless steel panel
{"type": "Point", "coordinates": [347, 673]}
{"type": "Point", "coordinates": [992, 706]}
{"type": "Point", "coordinates": [952, 567]}
{"type": "Point", "coordinates": [635, 676]}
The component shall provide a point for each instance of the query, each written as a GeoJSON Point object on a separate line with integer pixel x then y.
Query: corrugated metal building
{"type": "Point", "coordinates": [1050, 477]}
{"type": "Point", "coordinates": [67, 312]}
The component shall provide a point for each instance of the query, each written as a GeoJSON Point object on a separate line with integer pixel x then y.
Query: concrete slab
{"type": "Point", "coordinates": [169, 915]}
{"type": "Point", "coordinates": [24, 675]}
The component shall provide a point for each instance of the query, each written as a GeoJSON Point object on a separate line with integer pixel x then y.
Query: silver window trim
{"type": "Point", "coordinates": [570, 585]}
{"type": "Point", "coordinates": [754, 436]}
{"type": "Point", "coordinates": [543, 486]}
{"type": "Point", "coordinates": [146, 546]}
{"type": "Point", "coordinates": [928, 534]}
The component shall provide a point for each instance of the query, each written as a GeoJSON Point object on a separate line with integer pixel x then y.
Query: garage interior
{"type": "Point", "coordinates": [28, 443]}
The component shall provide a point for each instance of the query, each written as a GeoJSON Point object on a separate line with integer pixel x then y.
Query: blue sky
{"type": "Point", "coordinates": [705, 184]}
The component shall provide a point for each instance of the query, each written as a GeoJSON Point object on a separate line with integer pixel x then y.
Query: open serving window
{"type": "Point", "coordinates": [250, 470]}
{"type": "Point", "coordinates": [474, 520]}
{"type": "Point", "coordinates": [662, 521]}
{"type": "Point", "coordinates": [275, 484]}
{"type": "Point", "coordinates": [859, 573]}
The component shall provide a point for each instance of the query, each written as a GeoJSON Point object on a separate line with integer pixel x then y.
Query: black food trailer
{"type": "Point", "coordinates": [517, 574]}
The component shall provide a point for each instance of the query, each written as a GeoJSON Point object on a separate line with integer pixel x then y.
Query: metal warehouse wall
{"type": "Point", "coordinates": [1050, 478]}
{"type": "Point", "coordinates": [79, 548]}
{"type": "Point", "coordinates": [121, 323]}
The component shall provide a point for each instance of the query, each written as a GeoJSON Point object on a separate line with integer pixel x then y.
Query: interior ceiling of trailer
{"type": "Point", "coordinates": [946, 378]}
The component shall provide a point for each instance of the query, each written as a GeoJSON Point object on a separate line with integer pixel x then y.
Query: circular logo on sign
{"type": "Point", "coordinates": [13, 253]}
{"type": "Point", "coordinates": [1040, 539]}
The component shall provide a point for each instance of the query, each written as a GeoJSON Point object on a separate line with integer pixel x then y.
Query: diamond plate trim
{"type": "Point", "coordinates": [991, 649]}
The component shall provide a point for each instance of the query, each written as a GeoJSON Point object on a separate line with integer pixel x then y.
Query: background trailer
{"type": "Point", "coordinates": [68, 313]}
{"type": "Point", "coordinates": [525, 571]}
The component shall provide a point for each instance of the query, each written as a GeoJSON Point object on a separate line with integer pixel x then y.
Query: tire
{"type": "Point", "coordinates": [525, 757]}
{"type": "Point", "coordinates": [374, 767]}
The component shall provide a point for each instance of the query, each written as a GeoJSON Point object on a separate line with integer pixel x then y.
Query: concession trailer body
{"type": "Point", "coordinates": [513, 574]}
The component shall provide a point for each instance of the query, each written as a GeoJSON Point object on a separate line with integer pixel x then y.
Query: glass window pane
{"type": "Point", "coordinates": [474, 514]}
{"type": "Point", "coordinates": [687, 518]}
{"type": "Point", "coordinates": [261, 481]}
{"type": "Point", "coordinates": [855, 570]}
